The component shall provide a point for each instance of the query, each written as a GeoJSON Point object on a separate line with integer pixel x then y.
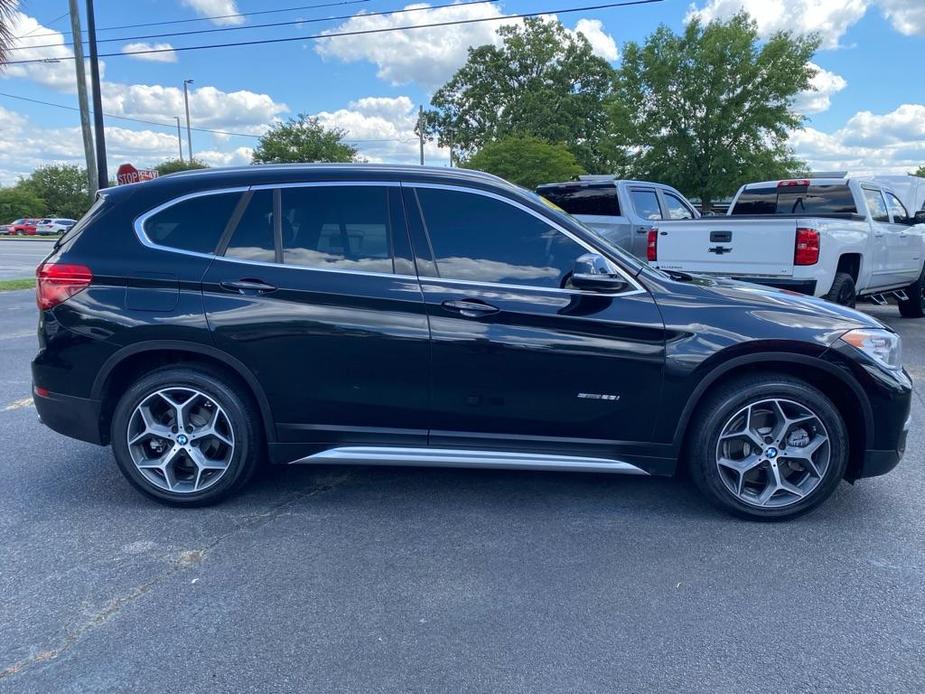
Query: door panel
{"type": "Point", "coordinates": [341, 354]}
{"type": "Point", "coordinates": [519, 366]}
{"type": "Point", "coordinates": [885, 272]}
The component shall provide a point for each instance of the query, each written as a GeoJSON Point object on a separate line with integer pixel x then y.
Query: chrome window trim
{"type": "Point", "coordinates": [139, 224]}
{"type": "Point", "coordinates": [552, 223]}
{"type": "Point", "coordinates": [146, 241]}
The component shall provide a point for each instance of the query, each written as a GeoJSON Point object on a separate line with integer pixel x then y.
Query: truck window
{"type": "Point", "coordinates": [676, 207]}
{"type": "Point", "coordinates": [809, 200]}
{"type": "Point", "coordinates": [876, 205]}
{"type": "Point", "coordinates": [578, 199]}
{"type": "Point", "coordinates": [646, 203]}
{"type": "Point", "coordinates": [897, 209]}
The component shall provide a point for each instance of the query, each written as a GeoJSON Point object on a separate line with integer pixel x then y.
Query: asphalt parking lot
{"type": "Point", "coordinates": [385, 579]}
{"type": "Point", "coordinates": [18, 257]}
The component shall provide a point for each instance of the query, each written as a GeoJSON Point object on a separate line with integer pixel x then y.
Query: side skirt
{"type": "Point", "coordinates": [460, 458]}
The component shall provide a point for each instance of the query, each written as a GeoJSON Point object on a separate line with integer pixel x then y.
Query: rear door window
{"type": "Point", "coordinates": [645, 202]}
{"type": "Point", "coordinates": [876, 205]}
{"type": "Point", "coordinates": [337, 228]}
{"type": "Point", "coordinates": [195, 224]}
{"type": "Point", "coordinates": [253, 236]}
{"type": "Point", "coordinates": [578, 199]}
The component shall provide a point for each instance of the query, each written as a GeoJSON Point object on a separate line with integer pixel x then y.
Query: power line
{"type": "Point", "coordinates": [359, 32]}
{"type": "Point", "coordinates": [313, 20]}
{"type": "Point", "coordinates": [171, 126]}
{"type": "Point", "coordinates": [200, 19]}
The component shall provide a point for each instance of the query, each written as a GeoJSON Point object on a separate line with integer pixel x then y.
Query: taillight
{"type": "Point", "coordinates": [56, 283]}
{"type": "Point", "coordinates": [652, 245]}
{"type": "Point", "coordinates": [806, 248]}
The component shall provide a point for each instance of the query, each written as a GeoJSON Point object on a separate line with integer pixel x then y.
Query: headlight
{"type": "Point", "coordinates": [882, 346]}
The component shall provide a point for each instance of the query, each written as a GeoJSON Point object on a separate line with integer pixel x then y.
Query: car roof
{"type": "Point", "coordinates": [282, 173]}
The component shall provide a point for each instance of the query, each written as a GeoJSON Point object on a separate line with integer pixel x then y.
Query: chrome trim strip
{"type": "Point", "coordinates": [451, 457]}
{"type": "Point", "coordinates": [139, 224]}
{"type": "Point", "coordinates": [333, 182]}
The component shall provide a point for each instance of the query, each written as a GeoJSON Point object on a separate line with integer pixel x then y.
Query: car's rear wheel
{"type": "Point", "coordinates": [184, 435]}
{"type": "Point", "coordinates": [843, 290]}
{"type": "Point", "coordinates": [768, 447]}
{"type": "Point", "coordinates": [914, 306]}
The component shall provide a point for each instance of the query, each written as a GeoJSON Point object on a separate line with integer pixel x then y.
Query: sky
{"type": "Point", "coordinates": [867, 115]}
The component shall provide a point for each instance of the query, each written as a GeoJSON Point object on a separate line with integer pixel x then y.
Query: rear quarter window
{"type": "Point", "coordinates": [195, 224]}
{"type": "Point", "coordinates": [594, 200]}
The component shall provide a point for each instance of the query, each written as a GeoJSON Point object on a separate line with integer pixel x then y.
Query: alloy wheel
{"type": "Point", "coordinates": [180, 439]}
{"type": "Point", "coordinates": [773, 453]}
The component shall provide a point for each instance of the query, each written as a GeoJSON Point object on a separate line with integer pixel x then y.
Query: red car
{"type": "Point", "coordinates": [24, 226]}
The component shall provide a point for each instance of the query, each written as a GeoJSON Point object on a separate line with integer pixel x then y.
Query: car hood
{"type": "Point", "coordinates": [780, 305]}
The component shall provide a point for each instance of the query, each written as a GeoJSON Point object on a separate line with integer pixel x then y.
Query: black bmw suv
{"type": "Point", "coordinates": [205, 322]}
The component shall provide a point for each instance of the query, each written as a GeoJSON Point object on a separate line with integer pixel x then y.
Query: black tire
{"type": "Point", "coordinates": [843, 291]}
{"type": "Point", "coordinates": [242, 416]}
{"type": "Point", "coordinates": [723, 404]}
{"type": "Point", "coordinates": [914, 306]}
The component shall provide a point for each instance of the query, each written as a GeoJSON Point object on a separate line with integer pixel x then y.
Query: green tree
{"type": "Point", "coordinates": [526, 161]}
{"type": "Point", "coordinates": [173, 165]}
{"type": "Point", "coordinates": [919, 171]}
{"type": "Point", "coordinates": [7, 8]}
{"type": "Point", "coordinates": [16, 203]}
{"type": "Point", "coordinates": [63, 187]}
{"type": "Point", "coordinates": [541, 81]}
{"type": "Point", "coordinates": [711, 108]}
{"type": "Point", "coordinates": [303, 139]}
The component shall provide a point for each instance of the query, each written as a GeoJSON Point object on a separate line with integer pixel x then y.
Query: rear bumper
{"type": "Point", "coordinates": [76, 417]}
{"type": "Point", "coordinates": [807, 287]}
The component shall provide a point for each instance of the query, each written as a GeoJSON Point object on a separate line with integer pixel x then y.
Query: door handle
{"type": "Point", "coordinates": [470, 308]}
{"type": "Point", "coordinates": [248, 286]}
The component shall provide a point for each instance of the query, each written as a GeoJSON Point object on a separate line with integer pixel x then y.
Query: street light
{"type": "Point", "coordinates": [179, 138]}
{"type": "Point", "coordinates": [189, 132]}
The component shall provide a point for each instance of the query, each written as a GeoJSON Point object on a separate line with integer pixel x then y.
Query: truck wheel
{"type": "Point", "coordinates": [843, 290]}
{"type": "Point", "coordinates": [914, 306]}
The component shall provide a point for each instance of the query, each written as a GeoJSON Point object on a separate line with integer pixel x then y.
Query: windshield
{"type": "Point", "coordinates": [628, 260]}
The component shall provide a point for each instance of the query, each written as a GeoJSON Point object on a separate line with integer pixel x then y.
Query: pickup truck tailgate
{"type": "Point", "coordinates": [728, 246]}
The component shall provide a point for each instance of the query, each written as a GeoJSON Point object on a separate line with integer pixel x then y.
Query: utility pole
{"type": "Point", "coordinates": [421, 131]}
{"type": "Point", "coordinates": [82, 97]}
{"type": "Point", "coordinates": [189, 131]}
{"type": "Point", "coordinates": [179, 138]}
{"type": "Point", "coordinates": [101, 172]}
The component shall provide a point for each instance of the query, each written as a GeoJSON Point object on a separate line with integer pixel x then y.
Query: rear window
{"type": "Point", "coordinates": [808, 200]}
{"type": "Point", "coordinates": [195, 224]}
{"type": "Point", "coordinates": [598, 200]}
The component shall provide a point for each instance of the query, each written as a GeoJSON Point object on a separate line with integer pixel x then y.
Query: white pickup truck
{"type": "Point", "coordinates": [833, 238]}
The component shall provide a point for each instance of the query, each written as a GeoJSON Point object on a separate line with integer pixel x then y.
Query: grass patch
{"type": "Point", "coordinates": [11, 285]}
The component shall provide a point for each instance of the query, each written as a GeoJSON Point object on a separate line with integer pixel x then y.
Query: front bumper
{"type": "Point", "coordinates": [76, 417]}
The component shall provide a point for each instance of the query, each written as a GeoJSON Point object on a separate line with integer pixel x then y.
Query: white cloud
{"type": "Point", "coordinates": [601, 42]}
{"type": "Point", "coordinates": [829, 18]}
{"type": "Point", "coordinates": [240, 111]}
{"type": "Point", "coordinates": [825, 84]}
{"type": "Point", "coordinates": [167, 56]}
{"type": "Point", "coordinates": [236, 157]}
{"type": "Point", "coordinates": [906, 16]}
{"type": "Point", "coordinates": [891, 142]}
{"type": "Point", "coordinates": [58, 70]}
{"type": "Point", "coordinates": [382, 129]}
{"type": "Point", "coordinates": [217, 8]}
{"type": "Point", "coordinates": [426, 56]}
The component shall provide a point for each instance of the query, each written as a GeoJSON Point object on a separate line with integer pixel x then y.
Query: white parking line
{"type": "Point", "coordinates": [18, 405]}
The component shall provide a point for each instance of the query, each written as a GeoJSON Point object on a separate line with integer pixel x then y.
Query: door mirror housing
{"type": "Point", "coordinates": [592, 272]}
{"type": "Point", "coordinates": [919, 217]}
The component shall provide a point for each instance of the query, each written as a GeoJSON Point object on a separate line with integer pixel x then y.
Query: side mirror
{"type": "Point", "coordinates": [919, 217]}
{"type": "Point", "coordinates": [592, 272]}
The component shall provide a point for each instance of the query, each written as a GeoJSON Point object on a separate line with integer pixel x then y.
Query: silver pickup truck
{"type": "Point", "coordinates": [621, 211]}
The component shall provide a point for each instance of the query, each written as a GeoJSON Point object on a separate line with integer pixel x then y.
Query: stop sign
{"type": "Point", "coordinates": [129, 174]}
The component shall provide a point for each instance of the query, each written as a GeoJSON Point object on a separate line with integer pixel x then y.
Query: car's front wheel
{"type": "Point", "coordinates": [185, 435]}
{"type": "Point", "coordinates": [768, 447]}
